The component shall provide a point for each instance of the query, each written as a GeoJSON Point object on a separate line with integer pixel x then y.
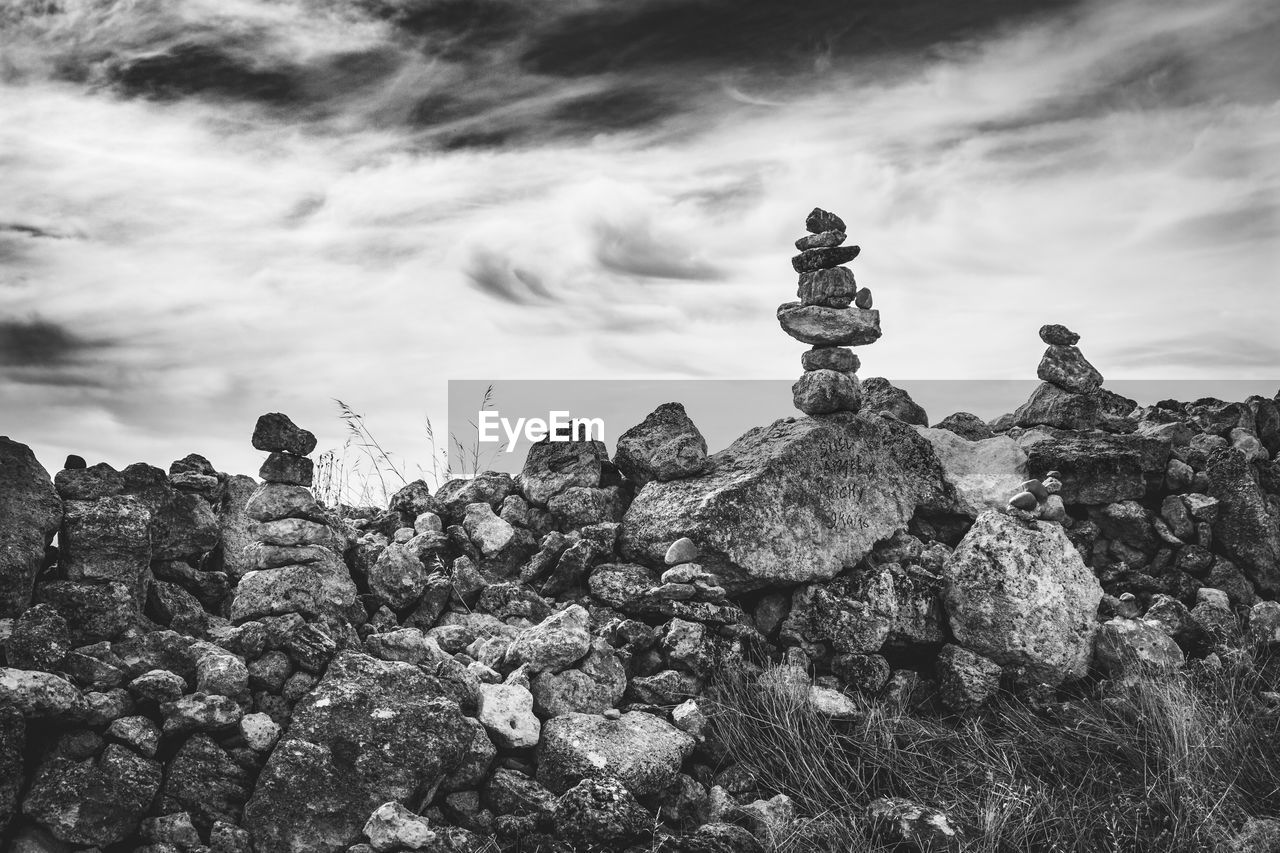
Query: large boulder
{"type": "Point", "coordinates": [640, 750]}
{"type": "Point", "coordinates": [371, 732]}
{"type": "Point", "coordinates": [666, 445]}
{"type": "Point", "coordinates": [30, 514]}
{"type": "Point", "coordinates": [93, 801]}
{"type": "Point", "coordinates": [791, 502]}
{"type": "Point", "coordinates": [314, 590]}
{"type": "Point", "coordinates": [108, 540]}
{"type": "Point", "coordinates": [1247, 528]}
{"type": "Point", "coordinates": [984, 473]}
{"type": "Point", "coordinates": [1022, 596]}
{"type": "Point", "coordinates": [1096, 468]}
{"type": "Point", "coordinates": [881, 396]}
{"type": "Point", "coordinates": [553, 466]}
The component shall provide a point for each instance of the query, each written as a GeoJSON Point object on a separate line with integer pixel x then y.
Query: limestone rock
{"type": "Point", "coordinates": [966, 425]}
{"type": "Point", "coordinates": [841, 359]}
{"type": "Point", "coordinates": [1050, 405]}
{"type": "Point", "coordinates": [553, 466]}
{"type": "Point", "coordinates": [313, 591]}
{"type": "Point", "coordinates": [40, 694]}
{"type": "Point", "coordinates": [1057, 335]}
{"type": "Point", "coordinates": [489, 532]}
{"type": "Point", "coordinates": [93, 801]}
{"type": "Point", "coordinates": [834, 288]}
{"type": "Point", "coordinates": [108, 540]}
{"type": "Point", "coordinates": [666, 445]}
{"type": "Point", "coordinates": [1128, 646]}
{"type": "Point", "coordinates": [287, 468]}
{"type": "Point", "coordinates": [791, 502]}
{"type": "Point", "coordinates": [880, 396]}
{"type": "Point", "coordinates": [371, 732]}
{"type": "Point", "coordinates": [236, 544]}
{"type": "Point", "coordinates": [1022, 596]}
{"type": "Point", "coordinates": [398, 577]}
{"type": "Point", "coordinates": [600, 813]}
{"type": "Point", "coordinates": [824, 258]}
{"type": "Point", "coordinates": [642, 751]}
{"type": "Point", "coordinates": [818, 325]}
{"type": "Point", "coordinates": [966, 680]}
{"type": "Point", "coordinates": [491, 487]}
{"type": "Point", "coordinates": [394, 827]}
{"type": "Point", "coordinates": [506, 711]}
{"type": "Point", "coordinates": [30, 514]}
{"type": "Point", "coordinates": [982, 473]}
{"type": "Point", "coordinates": [1247, 528]}
{"type": "Point", "coordinates": [557, 642]}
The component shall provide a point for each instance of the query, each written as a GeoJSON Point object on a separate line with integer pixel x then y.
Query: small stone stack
{"type": "Point", "coordinates": [1070, 395]}
{"type": "Point", "coordinates": [296, 567]}
{"type": "Point", "coordinates": [832, 315]}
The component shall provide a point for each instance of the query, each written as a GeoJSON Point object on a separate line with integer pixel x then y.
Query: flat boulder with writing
{"type": "Point", "coordinates": [791, 502]}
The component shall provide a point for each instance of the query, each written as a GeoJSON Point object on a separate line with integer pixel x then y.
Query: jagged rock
{"type": "Point", "coordinates": [553, 466]}
{"type": "Point", "coordinates": [40, 694]}
{"type": "Point", "coordinates": [30, 514]}
{"type": "Point", "coordinates": [39, 639]}
{"type": "Point", "coordinates": [93, 801]}
{"type": "Point", "coordinates": [642, 751]}
{"type": "Point", "coordinates": [506, 711]}
{"type": "Point", "coordinates": [666, 445]}
{"type": "Point", "coordinates": [854, 613]}
{"type": "Point", "coordinates": [108, 540]}
{"type": "Point", "coordinates": [176, 829]}
{"type": "Point", "coordinates": [138, 733]}
{"type": "Point", "coordinates": [398, 577]}
{"type": "Point", "coordinates": [1050, 405]}
{"type": "Point", "coordinates": [822, 392]}
{"type": "Point", "coordinates": [1058, 335]}
{"type": "Point", "coordinates": [841, 359]}
{"type": "Point", "coordinates": [834, 288]}
{"type": "Point", "coordinates": [794, 501]}
{"type": "Point", "coordinates": [315, 590]}
{"type": "Point", "coordinates": [1247, 528]}
{"type": "Point", "coordinates": [413, 499]}
{"type": "Point", "coordinates": [818, 325]}
{"type": "Point", "coordinates": [966, 425]}
{"type": "Point", "coordinates": [394, 827]}
{"type": "Point", "coordinates": [88, 484]}
{"type": "Point", "coordinates": [13, 741]}
{"type": "Point", "coordinates": [158, 685]}
{"type": "Point", "coordinates": [489, 532]}
{"type": "Point", "coordinates": [596, 685]}
{"type": "Point", "coordinates": [277, 432]}
{"type": "Point", "coordinates": [371, 732]}
{"type": "Point", "coordinates": [824, 258]}
{"type": "Point", "coordinates": [582, 506]}
{"type": "Point", "coordinates": [491, 487]}
{"type": "Point", "coordinates": [1022, 596]}
{"type": "Point", "coordinates": [183, 525]}
{"type": "Point", "coordinates": [200, 712]}
{"type": "Point", "coordinates": [966, 680]}
{"type": "Point", "coordinates": [600, 813]}
{"type": "Point", "coordinates": [557, 642]}
{"type": "Point", "coordinates": [1066, 367]}
{"type": "Point", "coordinates": [235, 553]}
{"type": "Point", "coordinates": [820, 220]}
{"type": "Point", "coordinates": [288, 469]}
{"type": "Point", "coordinates": [1096, 468]}
{"type": "Point", "coordinates": [880, 396]}
{"type": "Point", "coordinates": [203, 780]}
{"type": "Point", "coordinates": [826, 238]}
{"type": "Point", "coordinates": [982, 473]}
{"type": "Point", "coordinates": [1128, 646]}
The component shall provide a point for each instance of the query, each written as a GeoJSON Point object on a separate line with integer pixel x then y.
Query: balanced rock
{"type": "Point", "coordinates": [30, 514]}
{"type": "Point", "coordinates": [666, 445]}
{"type": "Point", "coordinates": [287, 468]}
{"type": "Point", "coordinates": [833, 287]}
{"type": "Point", "coordinates": [276, 432]}
{"type": "Point", "coordinates": [822, 392]}
{"type": "Point", "coordinates": [824, 258]}
{"type": "Point", "coordinates": [819, 241]}
{"type": "Point", "coordinates": [371, 732]}
{"type": "Point", "coordinates": [1066, 367]}
{"type": "Point", "coordinates": [791, 502]}
{"type": "Point", "coordinates": [831, 358]}
{"type": "Point", "coordinates": [819, 325]}
{"type": "Point", "coordinates": [1057, 335]}
{"type": "Point", "coordinates": [820, 220]}
{"type": "Point", "coordinates": [1022, 596]}
{"type": "Point", "coordinates": [553, 466]}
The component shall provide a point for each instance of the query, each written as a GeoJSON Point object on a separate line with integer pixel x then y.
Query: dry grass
{"type": "Point", "coordinates": [1173, 763]}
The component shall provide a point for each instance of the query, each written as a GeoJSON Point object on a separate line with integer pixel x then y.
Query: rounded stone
{"type": "Point", "coordinates": [831, 358]}
{"type": "Point", "coordinates": [277, 432]}
{"type": "Point", "coordinates": [1058, 335]}
{"type": "Point", "coordinates": [822, 392]}
{"type": "Point", "coordinates": [862, 298]}
{"type": "Point", "coordinates": [683, 550]}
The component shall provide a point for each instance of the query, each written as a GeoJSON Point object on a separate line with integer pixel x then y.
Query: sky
{"type": "Point", "coordinates": [211, 209]}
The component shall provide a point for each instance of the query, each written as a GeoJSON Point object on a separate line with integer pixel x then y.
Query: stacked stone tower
{"type": "Point", "coordinates": [833, 314]}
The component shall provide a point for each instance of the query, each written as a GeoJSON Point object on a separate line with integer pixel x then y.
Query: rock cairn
{"type": "Point", "coordinates": [833, 314]}
{"type": "Point", "coordinates": [1070, 394]}
{"type": "Point", "coordinates": [1041, 499]}
{"type": "Point", "coordinates": [296, 569]}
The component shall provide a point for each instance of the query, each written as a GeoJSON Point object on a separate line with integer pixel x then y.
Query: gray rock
{"type": "Point", "coordinates": [1128, 646]}
{"type": "Point", "coordinates": [30, 514]}
{"type": "Point", "coordinates": [1060, 336]}
{"type": "Point", "coordinates": [321, 589]}
{"type": "Point", "coordinates": [818, 325]}
{"type": "Point", "coordinates": [1052, 406]}
{"type": "Point", "coordinates": [394, 827]}
{"type": "Point", "coordinates": [665, 446]}
{"type": "Point", "coordinates": [1096, 468]}
{"type": "Point", "coordinates": [371, 732]}
{"type": "Point", "coordinates": [1066, 367]}
{"type": "Point", "coordinates": [13, 741]}
{"type": "Point", "coordinates": [824, 258]}
{"type": "Point", "coordinates": [556, 643]}
{"type": "Point", "coordinates": [1022, 596]}
{"type": "Point", "coordinates": [491, 487]}
{"type": "Point", "coordinates": [183, 525]}
{"type": "Point", "coordinates": [93, 801]}
{"type": "Point", "coordinates": [1247, 528]}
{"type": "Point", "coordinates": [594, 686]}
{"type": "Point", "coordinates": [88, 484]}
{"type": "Point", "coordinates": [489, 532]}
{"type": "Point", "coordinates": [600, 813]}
{"type": "Point", "coordinates": [822, 392]}
{"type": "Point", "coordinates": [108, 540]}
{"type": "Point", "coordinates": [553, 466]}
{"type": "Point", "coordinates": [834, 288]}
{"type": "Point", "coordinates": [206, 782]}
{"type": "Point", "coordinates": [39, 640]}
{"type": "Point", "coordinates": [277, 432]}
{"type": "Point", "coordinates": [966, 680]}
{"type": "Point", "coordinates": [40, 694]}
{"type": "Point", "coordinates": [820, 240]}
{"type": "Point", "coordinates": [287, 468]}
{"type": "Point", "coordinates": [841, 359]}
{"type": "Point", "coordinates": [93, 611]}
{"type": "Point", "coordinates": [236, 545]}
{"type": "Point", "coordinates": [641, 751]}
{"type": "Point", "coordinates": [880, 396]}
{"type": "Point", "coordinates": [791, 502]}
{"type": "Point", "coordinates": [506, 711]}
{"type": "Point", "coordinates": [966, 425]}
{"type": "Point", "coordinates": [820, 220]}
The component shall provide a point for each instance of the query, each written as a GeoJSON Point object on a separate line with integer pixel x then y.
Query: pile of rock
{"type": "Point", "coordinates": [1070, 395]}
{"type": "Point", "coordinates": [1042, 499]}
{"type": "Point", "coordinates": [296, 567]}
{"type": "Point", "coordinates": [832, 315]}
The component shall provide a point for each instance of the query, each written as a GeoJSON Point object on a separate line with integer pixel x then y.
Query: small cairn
{"type": "Point", "coordinates": [1070, 394]}
{"type": "Point", "coordinates": [833, 314]}
{"type": "Point", "coordinates": [1041, 499]}
{"type": "Point", "coordinates": [685, 578]}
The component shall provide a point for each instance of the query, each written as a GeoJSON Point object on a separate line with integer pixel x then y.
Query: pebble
{"type": "Point", "coordinates": [1025, 501]}
{"type": "Point", "coordinates": [863, 298]}
{"type": "Point", "coordinates": [683, 550]}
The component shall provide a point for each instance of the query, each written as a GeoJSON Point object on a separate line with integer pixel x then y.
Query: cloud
{"type": "Point", "coordinates": [39, 343]}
